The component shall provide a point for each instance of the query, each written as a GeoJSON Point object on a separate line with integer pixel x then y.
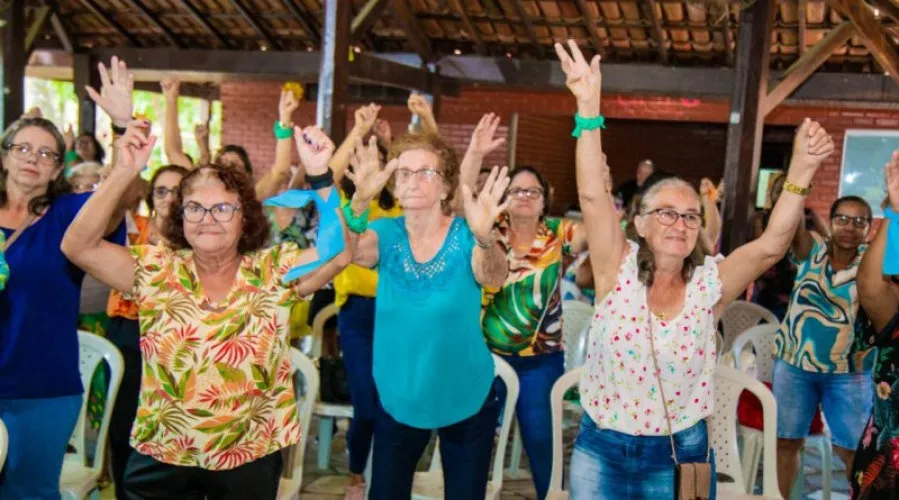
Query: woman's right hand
{"type": "Point", "coordinates": [69, 137]}
{"type": "Point", "coordinates": [134, 148]}
{"type": "Point", "coordinates": [286, 106]}
{"type": "Point", "coordinates": [811, 147]}
{"type": "Point", "coordinates": [367, 174]}
{"type": "Point", "coordinates": [365, 118]}
{"type": "Point", "coordinates": [582, 79]}
{"type": "Point", "coordinates": [892, 180]}
{"type": "Point", "coordinates": [483, 140]}
{"type": "Point", "coordinates": [171, 88]}
{"type": "Point", "coordinates": [115, 96]}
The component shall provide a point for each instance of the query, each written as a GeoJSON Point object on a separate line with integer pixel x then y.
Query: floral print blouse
{"type": "Point", "coordinates": [216, 389]}
{"type": "Point", "coordinates": [618, 388]}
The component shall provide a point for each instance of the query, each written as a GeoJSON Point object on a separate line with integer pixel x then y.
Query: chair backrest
{"type": "Point", "coordinates": [306, 384]}
{"type": "Point", "coordinates": [761, 338]}
{"type": "Point", "coordinates": [576, 319]}
{"type": "Point", "coordinates": [4, 444]}
{"type": "Point", "coordinates": [741, 316]}
{"type": "Point", "coordinates": [557, 397]}
{"type": "Point", "coordinates": [729, 384]}
{"type": "Point", "coordinates": [93, 350]}
{"type": "Point", "coordinates": [318, 328]}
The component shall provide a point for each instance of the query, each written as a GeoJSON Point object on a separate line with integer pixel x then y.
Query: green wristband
{"type": "Point", "coordinates": [356, 223]}
{"type": "Point", "coordinates": [581, 124]}
{"type": "Point", "coordinates": [281, 132]}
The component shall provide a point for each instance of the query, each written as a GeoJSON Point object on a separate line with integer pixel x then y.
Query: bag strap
{"type": "Point", "coordinates": [658, 373]}
{"type": "Point", "coordinates": [18, 232]}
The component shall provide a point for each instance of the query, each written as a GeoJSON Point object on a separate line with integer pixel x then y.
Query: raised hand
{"type": "Point", "coordinates": [69, 137]}
{"type": "Point", "coordinates": [365, 118]}
{"type": "Point", "coordinates": [706, 187]}
{"type": "Point", "coordinates": [892, 180]}
{"type": "Point", "coordinates": [481, 211]}
{"type": "Point", "coordinates": [483, 140]}
{"type": "Point", "coordinates": [115, 96]}
{"type": "Point", "coordinates": [134, 148]}
{"type": "Point", "coordinates": [367, 174]}
{"type": "Point", "coordinates": [418, 105]}
{"type": "Point", "coordinates": [201, 133]}
{"type": "Point", "coordinates": [171, 88]}
{"type": "Point", "coordinates": [286, 106]}
{"type": "Point", "coordinates": [315, 148]}
{"type": "Point", "coordinates": [811, 147]}
{"type": "Point", "coordinates": [582, 79]}
{"type": "Point", "coordinates": [382, 131]}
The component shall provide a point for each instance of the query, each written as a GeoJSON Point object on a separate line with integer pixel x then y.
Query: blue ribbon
{"type": "Point", "coordinates": [891, 256]}
{"type": "Point", "coordinates": [329, 240]}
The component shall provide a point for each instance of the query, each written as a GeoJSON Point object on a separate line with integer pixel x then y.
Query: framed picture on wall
{"type": "Point", "coordinates": [865, 152]}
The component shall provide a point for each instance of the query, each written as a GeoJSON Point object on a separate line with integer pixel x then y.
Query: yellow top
{"type": "Point", "coordinates": [358, 280]}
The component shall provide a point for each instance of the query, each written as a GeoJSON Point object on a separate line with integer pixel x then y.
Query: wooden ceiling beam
{"type": "Point", "coordinates": [649, 12]}
{"type": "Point", "coordinates": [725, 32]}
{"type": "Point", "coordinates": [302, 17]}
{"type": "Point", "coordinates": [803, 25]}
{"type": "Point", "coordinates": [457, 6]}
{"type": "Point", "coordinates": [256, 24]}
{"type": "Point", "coordinates": [122, 32]}
{"type": "Point", "coordinates": [590, 24]}
{"type": "Point", "coordinates": [202, 20]}
{"type": "Point", "coordinates": [888, 7]}
{"type": "Point", "coordinates": [41, 17]}
{"type": "Point", "coordinates": [529, 27]}
{"type": "Point", "coordinates": [803, 68]}
{"type": "Point", "coordinates": [872, 33]}
{"type": "Point", "coordinates": [166, 32]}
{"type": "Point", "coordinates": [366, 18]}
{"type": "Point", "coordinates": [414, 33]}
{"type": "Point", "coordinates": [62, 33]}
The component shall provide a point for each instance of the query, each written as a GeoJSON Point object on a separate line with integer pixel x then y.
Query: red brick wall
{"type": "Point", "coordinates": [685, 136]}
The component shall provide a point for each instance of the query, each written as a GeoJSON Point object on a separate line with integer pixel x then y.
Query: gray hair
{"type": "Point", "coordinates": [57, 187]}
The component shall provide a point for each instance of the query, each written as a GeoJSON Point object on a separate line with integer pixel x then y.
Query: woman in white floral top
{"type": "Point", "coordinates": [216, 404]}
{"type": "Point", "coordinates": [657, 298]}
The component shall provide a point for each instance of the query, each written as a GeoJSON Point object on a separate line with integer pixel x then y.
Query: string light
{"type": "Point", "coordinates": [457, 52]}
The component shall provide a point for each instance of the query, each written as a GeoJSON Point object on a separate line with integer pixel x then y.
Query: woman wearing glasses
{"type": "Point", "coordinates": [523, 318]}
{"type": "Point", "coordinates": [818, 361]}
{"type": "Point", "coordinates": [647, 387]}
{"type": "Point", "coordinates": [216, 402]}
{"type": "Point", "coordinates": [40, 385]}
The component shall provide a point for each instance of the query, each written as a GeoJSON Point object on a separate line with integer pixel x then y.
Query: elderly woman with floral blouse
{"type": "Point", "coordinates": [216, 404]}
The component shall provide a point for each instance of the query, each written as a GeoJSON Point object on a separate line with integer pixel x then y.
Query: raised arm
{"type": "Point", "coordinates": [488, 260]}
{"type": "Point", "coordinates": [604, 234]}
{"type": "Point", "coordinates": [483, 142]}
{"type": "Point", "coordinates": [279, 174]}
{"type": "Point", "coordinates": [174, 148]}
{"type": "Point", "coordinates": [365, 118]}
{"type": "Point", "coordinates": [810, 148]}
{"type": "Point", "coordinates": [712, 229]}
{"type": "Point", "coordinates": [803, 241]}
{"type": "Point", "coordinates": [419, 106]}
{"type": "Point", "coordinates": [83, 243]}
{"type": "Point", "coordinates": [370, 179]}
{"type": "Point", "coordinates": [201, 135]}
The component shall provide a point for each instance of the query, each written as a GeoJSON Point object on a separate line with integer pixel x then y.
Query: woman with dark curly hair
{"type": "Point", "coordinates": [216, 403]}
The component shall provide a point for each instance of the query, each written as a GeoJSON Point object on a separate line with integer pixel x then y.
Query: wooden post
{"type": "Point", "coordinates": [12, 80]}
{"type": "Point", "coordinates": [333, 80]}
{"type": "Point", "coordinates": [744, 132]}
{"type": "Point", "coordinates": [86, 73]}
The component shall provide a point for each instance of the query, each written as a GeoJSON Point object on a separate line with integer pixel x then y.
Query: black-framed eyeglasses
{"type": "Point", "coordinates": [530, 193]}
{"type": "Point", "coordinates": [858, 221]}
{"type": "Point", "coordinates": [160, 192]}
{"type": "Point", "coordinates": [669, 217]}
{"type": "Point", "coordinates": [221, 212]}
{"type": "Point", "coordinates": [23, 152]}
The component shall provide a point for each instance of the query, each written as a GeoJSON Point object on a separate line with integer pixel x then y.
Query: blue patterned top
{"type": "Point", "coordinates": [818, 333]}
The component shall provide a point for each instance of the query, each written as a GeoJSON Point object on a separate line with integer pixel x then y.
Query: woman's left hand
{"type": "Point", "coordinates": [316, 149]}
{"type": "Point", "coordinates": [481, 211]}
{"type": "Point", "coordinates": [115, 96]}
{"type": "Point", "coordinates": [134, 148]}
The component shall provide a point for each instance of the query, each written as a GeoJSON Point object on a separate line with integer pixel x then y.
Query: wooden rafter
{"type": "Point", "coordinates": [649, 11]}
{"type": "Point", "coordinates": [590, 25]}
{"type": "Point", "coordinates": [803, 25]}
{"type": "Point", "coordinates": [366, 18]}
{"type": "Point", "coordinates": [203, 21]}
{"type": "Point", "coordinates": [888, 7]}
{"type": "Point", "coordinates": [800, 70]}
{"type": "Point", "coordinates": [305, 21]}
{"type": "Point", "coordinates": [41, 17]}
{"type": "Point", "coordinates": [97, 11]}
{"type": "Point", "coordinates": [457, 6]}
{"type": "Point", "coordinates": [416, 36]}
{"type": "Point", "coordinates": [725, 33]}
{"type": "Point", "coordinates": [166, 32]}
{"type": "Point", "coordinates": [256, 24]}
{"type": "Point", "coordinates": [869, 29]}
{"type": "Point", "coordinates": [529, 27]}
{"type": "Point", "coordinates": [62, 33]}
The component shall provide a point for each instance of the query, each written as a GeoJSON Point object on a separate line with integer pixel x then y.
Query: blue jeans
{"type": "Point", "coordinates": [356, 324]}
{"type": "Point", "coordinates": [845, 398]}
{"type": "Point", "coordinates": [536, 376]}
{"type": "Point", "coordinates": [465, 451]}
{"type": "Point", "coordinates": [611, 465]}
{"type": "Point", "coordinates": [39, 431]}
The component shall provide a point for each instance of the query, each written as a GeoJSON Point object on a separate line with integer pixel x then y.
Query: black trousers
{"type": "Point", "coordinates": [124, 334]}
{"type": "Point", "coordinates": [147, 478]}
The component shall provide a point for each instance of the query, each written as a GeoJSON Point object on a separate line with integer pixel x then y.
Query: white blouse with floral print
{"type": "Point", "coordinates": [618, 388]}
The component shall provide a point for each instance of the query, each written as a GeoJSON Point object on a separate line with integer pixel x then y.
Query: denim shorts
{"type": "Point", "coordinates": [611, 465]}
{"type": "Point", "coordinates": [845, 400]}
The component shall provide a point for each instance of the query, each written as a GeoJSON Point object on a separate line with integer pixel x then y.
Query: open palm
{"type": "Point", "coordinates": [115, 96]}
{"type": "Point", "coordinates": [367, 174]}
{"type": "Point", "coordinates": [481, 211]}
{"type": "Point", "coordinates": [483, 140]}
{"type": "Point", "coordinates": [582, 79]}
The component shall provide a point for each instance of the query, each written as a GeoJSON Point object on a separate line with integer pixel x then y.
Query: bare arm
{"type": "Point", "coordinates": [874, 289]}
{"type": "Point", "coordinates": [201, 133]}
{"type": "Point", "coordinates": [820, 225]}
{"type": "Point", "coordinates": [803, 241]}
{"type": "Point", "coordinates": [491, 267]}
{"type": "Point", "coordinates": [419, 106]}
{"type": "Point", "coordinates": [366, 253]}
{"type": "Point", "coordinates": [174, 149]}
{"type": "Point", "coordinates": [712, 229]}
{"type": "Point", "coordinates": [279, 175]}
{"type": "Point", "coordinates": [315, 280]}
{"type": "Point", "coordinates": [748, 262]}
{"type": "Point", "coordinates": [482, 143]}
{"type": "Point", "coordinates": [365, 119]}
{"type": "Point", "coordinates": [579, 239]}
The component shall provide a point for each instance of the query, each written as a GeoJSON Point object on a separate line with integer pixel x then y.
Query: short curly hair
{"type": "Point", "coordinates": [447, 160]}
{"type": "Point", "coordinates": [255, 223]}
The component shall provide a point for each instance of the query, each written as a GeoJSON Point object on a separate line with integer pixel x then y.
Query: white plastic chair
{"type": "Point", "coordinates": [741, 316]}
{"type": "Point", "coordinates": [729, 384]}
{"type": "Point", "coordinates": [4, 444]}
{"type": "Point", "coordinates": [292, 476]}
{"type": "Point", "coordinates": [576, 319]}
{"type": "Point", "coordinates": [79, 478]}
{"type": "Point", "coordinates": [429, 485]}
{"type": "Point", "coordinates": [557, 400]}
